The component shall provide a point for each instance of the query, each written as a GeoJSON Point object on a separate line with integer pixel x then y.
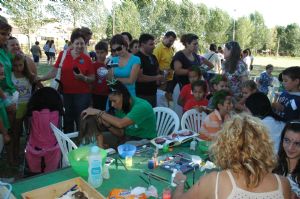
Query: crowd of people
{"type": "Point", "coordinates": [110, 100]}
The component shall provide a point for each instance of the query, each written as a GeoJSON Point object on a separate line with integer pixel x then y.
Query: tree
{"type": "Point", "coordinates": [127, 18]}
{"type": "Point", "coordinates": [141, 4]}
{"type": "Point", "coordinates": [96, 18]}
{"type": "Point", "coordinates": [281, 39]}
{"type": "Point", "coordinates": [67, 11]}
{"type": "Point", "coordinates": [271, 39]}
{"type": "Point", "coordinates": [157, 17]}
{"type": "Point", "coordinates": [259, 36]}
{"type": "Point", "coordinates": [217, 26]}
{"type": "Point", "coordinates": [193, 18]}
{"type": "Point", "coordinates": [244, 29]}
{"type": "Point", "coordinates": [28, 16]}
{"type": "Point", "coordinates": [292, 32]}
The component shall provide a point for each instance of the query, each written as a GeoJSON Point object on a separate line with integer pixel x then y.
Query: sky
{"type": "Point", "coordinates": [275, 12]}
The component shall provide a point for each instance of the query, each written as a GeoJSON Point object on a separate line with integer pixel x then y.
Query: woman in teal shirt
{"type": "Point", "coordinates": [127, 65]}
{"type": "Point", "coordinates": [133, 117]}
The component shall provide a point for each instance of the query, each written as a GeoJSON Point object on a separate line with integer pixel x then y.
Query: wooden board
{"type": "Point", "coordinates": [56, 190]}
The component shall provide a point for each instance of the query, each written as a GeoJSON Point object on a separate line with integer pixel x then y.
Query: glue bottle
{"type": "Point", "coordinates": [172, 177]}
{"type": "Point", "coordinates": [95, 167]}
{"type": "Point", "coordinates": [193, 145]}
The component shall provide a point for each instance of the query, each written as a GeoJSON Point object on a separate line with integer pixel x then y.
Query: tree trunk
{"type": "Point", "coordinates": [29, 43]}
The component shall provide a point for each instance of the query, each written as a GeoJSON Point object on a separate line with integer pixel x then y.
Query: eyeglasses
{"type": "Point", "coordinates": [117, 49]}
{"type": "Point", "coordinates": [287, 141]}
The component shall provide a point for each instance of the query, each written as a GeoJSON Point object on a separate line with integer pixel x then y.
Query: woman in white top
{"type": "Point", "coordinates": [259, 105]}
{"type": "Point", "coordinates": [245, 155]}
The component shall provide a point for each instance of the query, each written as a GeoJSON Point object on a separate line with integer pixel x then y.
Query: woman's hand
{"type": "Point", "coordinates": [79, 76]}
{"type": "Point", "coordinates": [89, 111]}
{"type": "Point", "coordinates": [179, 178]}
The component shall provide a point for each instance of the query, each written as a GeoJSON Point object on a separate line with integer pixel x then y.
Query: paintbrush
{"type": "Point", "coordinates": [123, 164]}
{"type": "Point", "coordinates": [147, 182]}
{"type": "Point", "coordinates": [154, 175]}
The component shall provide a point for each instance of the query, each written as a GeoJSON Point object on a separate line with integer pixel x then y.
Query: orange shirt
{"type": "Point", "coordinates": [211, 125]}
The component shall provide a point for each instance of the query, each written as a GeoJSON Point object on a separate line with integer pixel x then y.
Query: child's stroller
{"type": "Point", "coordinates": [42, 150]}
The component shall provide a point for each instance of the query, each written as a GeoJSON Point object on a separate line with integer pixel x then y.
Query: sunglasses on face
{"type": "Point", "coordinates": [116, 49]}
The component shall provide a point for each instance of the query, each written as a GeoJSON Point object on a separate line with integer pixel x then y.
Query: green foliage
{"type": "Point", "coordinates": [292, 33]}
{"type": "Point", "coordinates": [217, 26]}
{"type": "Point", "coordinates": [127, 18]}
{"type": "Point", "coordinates": [97, 19]}
{"type": "Point", "coordinates": [92, 14]}
{"type": "Point", "coordinates": [156, 17]}
{"type": "Point", "coordinates": [244, 29]}
{"type": "Point", "coordinates": [27, 15]}
{"type": "Point", "coordinates": [67, 11]}
{"type": "Point", "coordinates": [259, 37]}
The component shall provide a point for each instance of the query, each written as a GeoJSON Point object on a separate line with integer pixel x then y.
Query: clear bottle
{"type": "Point", "coordinates": [95, 167]}
{"type": "Point", "coordinates": [193, 145]}
{"type": "Point", "coordinates": [172, 177]}
{"type": "Point", "coordinates": [105, 173]}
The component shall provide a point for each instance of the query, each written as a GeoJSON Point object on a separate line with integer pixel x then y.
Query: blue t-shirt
{"type": "Point", "coordinates": [291, 103]}
{"type": "Point", "coordinates": [265, 81]}
{"type": "Point", "coordinates": [125, 71]}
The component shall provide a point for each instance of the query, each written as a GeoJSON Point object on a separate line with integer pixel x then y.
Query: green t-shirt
{"type": "Point", "coordinates": [6, 84]}
{"type": "Point", "coordinates": [142, 115]}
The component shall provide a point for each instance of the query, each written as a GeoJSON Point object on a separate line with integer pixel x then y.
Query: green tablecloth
{"type": "Point", "coordinates": [119, 177]}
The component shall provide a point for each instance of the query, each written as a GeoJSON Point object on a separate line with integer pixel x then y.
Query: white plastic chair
{"type": "Point", "coordinates": [167, 121]}
{"type": "Point", "coordinates": [65, 143]}
{"type": "Point", "coordinates": [192, 120]}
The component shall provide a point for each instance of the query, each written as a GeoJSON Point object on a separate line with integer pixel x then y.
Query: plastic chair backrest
{"type": "Point", "coordinates": [192, 120]}
{"type": "Point", "coordinates": [65, 143]}
{"type": "Point", "coordinates": [167, 121]}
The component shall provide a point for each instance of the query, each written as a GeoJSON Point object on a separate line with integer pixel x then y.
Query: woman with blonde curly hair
{"type": "Point", "coordinates": [244, 153]}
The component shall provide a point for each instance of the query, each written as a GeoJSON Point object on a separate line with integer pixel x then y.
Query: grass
{"type": "Point", "coordinates": [279, 63]}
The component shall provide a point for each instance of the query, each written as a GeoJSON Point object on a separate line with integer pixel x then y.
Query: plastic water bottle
{"type": "Point", "coordinates": [172, 177]}
{"type": "Point", "coordinates": [193, 145]}
{"type": "Point", "coordinates": [95, 167]}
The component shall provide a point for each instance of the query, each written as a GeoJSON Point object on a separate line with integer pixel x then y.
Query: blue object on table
{"type": "Point", "coordinates": [126, 150]}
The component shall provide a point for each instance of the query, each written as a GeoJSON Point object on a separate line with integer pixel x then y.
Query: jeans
{"type": "Point", "coordinates": [74, 104]}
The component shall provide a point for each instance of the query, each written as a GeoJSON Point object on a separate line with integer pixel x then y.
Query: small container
{"type": "Point", "coordinates": [128, 161]}
{"type": "Point", "coordinates": [172, 177]}
{"type": "Point", "coordinates": [167, 193]}
{"type": "Point", "coordinates": [165, 148]}
{"type": "Point", "coordinates": [151, 164]}
{"type": "Point", "coordinates": [105, 172]}
{"type": "Point", "coordinates": [193, 145]}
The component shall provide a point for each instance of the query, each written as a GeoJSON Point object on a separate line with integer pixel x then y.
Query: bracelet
{"type": "Point", "coordinates": [99, 115]}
